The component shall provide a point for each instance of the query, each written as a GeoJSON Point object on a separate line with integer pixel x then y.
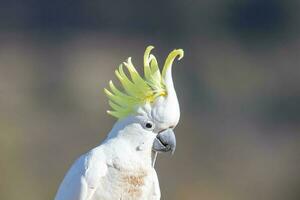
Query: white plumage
{"type": "Point", "coordinates": [122, 167]}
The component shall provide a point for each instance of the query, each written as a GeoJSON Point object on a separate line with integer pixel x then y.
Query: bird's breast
{"type": "Point", "coordinates": [128, 184]}
{"type": "Point", "coordinates": [133, 183]}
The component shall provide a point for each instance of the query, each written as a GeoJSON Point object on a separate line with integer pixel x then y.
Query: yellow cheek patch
{"type": "Point", "coordinates": [138, 90]}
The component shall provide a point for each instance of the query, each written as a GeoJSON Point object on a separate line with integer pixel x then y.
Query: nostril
{"type": "Point", "coordinates": [161, 131]}
{"type": "Point", "coordinates": [170, 127]}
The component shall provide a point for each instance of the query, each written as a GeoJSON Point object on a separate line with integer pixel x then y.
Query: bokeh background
{"type": "Point", "coordinates": [238, 85]}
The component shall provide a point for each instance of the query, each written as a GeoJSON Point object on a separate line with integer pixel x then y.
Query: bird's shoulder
{"type": "Point", "coordinates": [95, 166]}
{"type": "Point", "coordinates": [84, 176]}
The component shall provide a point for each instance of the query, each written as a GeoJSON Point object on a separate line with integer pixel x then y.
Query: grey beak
{"type": "Point", "coordinates": [165, 141]}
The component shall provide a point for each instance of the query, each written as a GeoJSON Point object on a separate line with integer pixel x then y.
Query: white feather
{"type": "Point", "coordinates": [115, 170]}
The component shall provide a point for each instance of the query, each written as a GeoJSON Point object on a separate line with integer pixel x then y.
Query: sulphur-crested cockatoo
{"type": "Point", "coordinates": [122, 166]}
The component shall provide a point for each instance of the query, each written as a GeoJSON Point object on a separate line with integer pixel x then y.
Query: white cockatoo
{"type": "Point", "coordinates": [122, 166]}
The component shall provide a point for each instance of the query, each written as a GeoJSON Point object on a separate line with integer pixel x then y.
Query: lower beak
{"type": "Point", "coordinates": [165, 141]}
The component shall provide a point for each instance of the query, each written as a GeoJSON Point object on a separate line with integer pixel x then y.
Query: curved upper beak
{"type": "Point", "coordinates": [165, 141]}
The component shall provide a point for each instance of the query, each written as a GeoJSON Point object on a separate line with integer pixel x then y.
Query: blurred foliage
{"type": "Point", "coordinates": [238, 86]}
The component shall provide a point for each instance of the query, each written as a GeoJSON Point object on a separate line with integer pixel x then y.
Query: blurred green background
{"type": "Point", "coordinates": [238, 85]}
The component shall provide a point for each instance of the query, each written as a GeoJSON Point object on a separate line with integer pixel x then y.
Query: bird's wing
{"type": "Point", "coordinates": [82, 179]}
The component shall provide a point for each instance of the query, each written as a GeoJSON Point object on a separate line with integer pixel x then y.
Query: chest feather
{"type": "Point", "coordinates": [133, 183]}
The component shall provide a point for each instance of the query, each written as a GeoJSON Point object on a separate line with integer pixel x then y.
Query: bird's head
{"type": "Point", "coordinates": [147, 108]}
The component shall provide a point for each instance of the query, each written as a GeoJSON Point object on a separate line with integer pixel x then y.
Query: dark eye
{"type": "Point", "coordinates": [149, 125]}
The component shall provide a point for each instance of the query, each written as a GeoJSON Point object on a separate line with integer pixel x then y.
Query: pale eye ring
{"type": "Point", "coordinates": [149, 125]}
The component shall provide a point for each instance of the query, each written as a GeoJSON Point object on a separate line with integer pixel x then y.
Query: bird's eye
{"type": "Point", "coordinates": [149, 125]}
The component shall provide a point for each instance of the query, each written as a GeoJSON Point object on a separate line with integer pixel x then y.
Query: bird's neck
{"type": "Point", "coordinates": [131, 144]}
{"type": "Point", "coordinates": [132, 151]}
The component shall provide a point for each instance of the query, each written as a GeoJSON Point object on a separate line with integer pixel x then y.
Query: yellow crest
{"type": "Point", "coordinates": [137, 90]}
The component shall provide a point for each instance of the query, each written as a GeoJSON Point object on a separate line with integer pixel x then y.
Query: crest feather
{"type": "Point", "coordinates": [138, 90]}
